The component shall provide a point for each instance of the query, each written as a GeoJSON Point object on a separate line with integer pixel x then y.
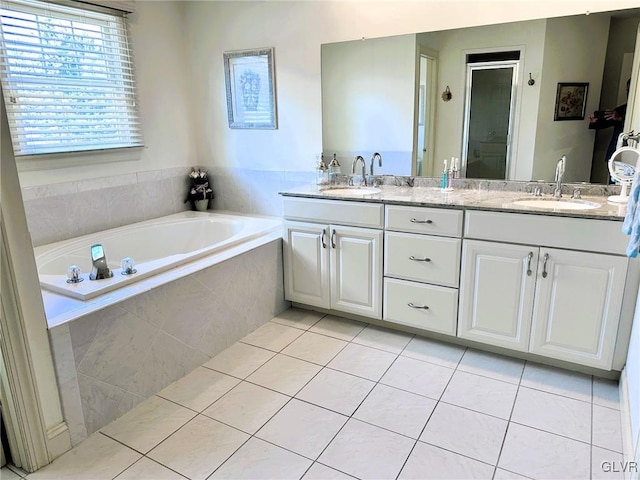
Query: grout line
{"type": "Point", "coordinates": [506, 430]}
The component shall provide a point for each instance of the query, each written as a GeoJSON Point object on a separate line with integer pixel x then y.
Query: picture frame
{"type": "Point", "coordinates": [571, 101]}
{"type": "Point", "coordinates": [251, 88]}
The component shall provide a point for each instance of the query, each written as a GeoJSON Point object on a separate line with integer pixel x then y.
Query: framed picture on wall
{"type": "Point", "coordinates": [571, 101]}
{"type": "Point", "coordinates": [251, 88]}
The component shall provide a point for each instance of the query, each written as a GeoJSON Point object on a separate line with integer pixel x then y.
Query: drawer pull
{"type": "Point", "coordinates": [544, 265]}
{"type": "Point", "coordinates": [422, 307]}
{"type": "Point", "coordinates": [529, 257]}
{"type": "Point", "coordinates": [415, 220]}
{"type": "Point", "coordinates": [415, 259]}
{"type": "Point", "coordinates": [333, 238]}
{"type": "Point", "coordinates": [324, 244]}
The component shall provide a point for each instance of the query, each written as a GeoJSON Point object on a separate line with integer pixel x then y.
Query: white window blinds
{"type": "Point", "coordinates": [68, 80]}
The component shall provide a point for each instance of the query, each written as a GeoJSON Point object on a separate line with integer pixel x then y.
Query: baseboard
{"type": "Point", "coordinates": [59, 440]}
{"type": "Point", "coordinates": [630, 448]}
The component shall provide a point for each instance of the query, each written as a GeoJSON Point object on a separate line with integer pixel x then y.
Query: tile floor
{"type": "Point", "coordinates": [320, 397]}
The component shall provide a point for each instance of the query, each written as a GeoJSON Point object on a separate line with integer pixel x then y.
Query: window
{"type": "Point", "coordinates": [67, 76]}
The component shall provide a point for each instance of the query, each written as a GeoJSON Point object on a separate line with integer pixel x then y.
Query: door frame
{"type": "Point", "coordinates": [469, 69]}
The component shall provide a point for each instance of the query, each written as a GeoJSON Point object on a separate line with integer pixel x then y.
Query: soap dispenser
{"type": "Point", "coordinates": [334, 170]}
{"type": "Point", "coordinates": [322, 173]}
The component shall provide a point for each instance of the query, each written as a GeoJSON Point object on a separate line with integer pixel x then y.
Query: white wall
{"type": "Point", "coordinates": [565, 37]}
{"type": "Point", "coordinates": [163, 93]}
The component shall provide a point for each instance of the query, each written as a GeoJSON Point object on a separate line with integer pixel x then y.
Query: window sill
{"type": "Point", "coordinates": [31, 163]}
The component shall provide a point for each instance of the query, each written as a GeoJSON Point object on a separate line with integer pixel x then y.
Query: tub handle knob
{"type": "Point", "coordinates": [128, 266]}
{"type": "Point", "coordinates": [74, 274]}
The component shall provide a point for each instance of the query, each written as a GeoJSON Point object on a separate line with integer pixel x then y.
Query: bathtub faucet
{"type": "Point", "coordinates": [100, 268]}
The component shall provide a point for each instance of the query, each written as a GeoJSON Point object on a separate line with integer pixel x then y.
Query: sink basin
{"type": "Point", "coordinates": [353, 191]}
{"type": "Point", "coordinates": [557, 204]}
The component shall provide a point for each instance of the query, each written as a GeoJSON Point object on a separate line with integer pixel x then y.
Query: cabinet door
{"type": "Point", "coordinates": [577, 306]}
{"type": "Point", "coordinates": [356, 270]}
{"type": "Point", "coordinates": [497, 286]}
{"type": "Point", "coordinates": [306, 263]}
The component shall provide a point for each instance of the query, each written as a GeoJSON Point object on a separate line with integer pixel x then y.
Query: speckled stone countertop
{"type": "Point", "coordinates": [481, 196]}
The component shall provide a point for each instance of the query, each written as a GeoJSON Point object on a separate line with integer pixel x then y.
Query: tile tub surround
{"type": "Point", "coordinates": [66, 210]}
{"type": "Point", "coordinates": [217, 422]}
{"type": "Point", "coordinates": [110, 360]}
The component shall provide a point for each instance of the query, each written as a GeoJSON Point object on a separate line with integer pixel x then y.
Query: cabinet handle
{"type": "Point", "coordinates": [415, 259]}
{"type": "Point", "coordinates": [324, 233]}
{"type": "Point", "coordinates": [422, 307]}
{"type": "Point", "coordinates": [415, 220]}
{"type": "Point", "coordinates": [529, 257]}
{"type": "Point", "coordinates": [333, 238]}
{"type": "Point", "coordinates": [544, 265]}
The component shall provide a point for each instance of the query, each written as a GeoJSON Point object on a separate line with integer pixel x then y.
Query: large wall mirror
{"type": "Point", "coordinates": [487, 95]}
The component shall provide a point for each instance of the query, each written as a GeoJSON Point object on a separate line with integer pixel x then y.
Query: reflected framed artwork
{"type": "Point", "coordinates": [251, 89]}
{"type": "Point", "coordinates": [571, 101]}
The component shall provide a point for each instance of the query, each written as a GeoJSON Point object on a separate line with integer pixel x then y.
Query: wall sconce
{"type": "Point", "coordinates": [446, 95]}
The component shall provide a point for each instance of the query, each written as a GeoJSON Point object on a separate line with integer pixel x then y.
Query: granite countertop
{"type": "Point", "coordinates": [468, 199]}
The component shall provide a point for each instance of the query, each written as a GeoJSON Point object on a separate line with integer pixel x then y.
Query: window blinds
{"type": "Point", "coordinates": [68, 80]}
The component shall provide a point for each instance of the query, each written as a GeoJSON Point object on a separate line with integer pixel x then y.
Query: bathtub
{"type": "Point", "coordinates": [156, 246]}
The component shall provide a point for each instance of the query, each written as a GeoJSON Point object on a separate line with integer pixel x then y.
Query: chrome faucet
{"type": "Point", "coordinates": [364, 168]}
{"type": "Point", "coordinates": [373, 157]}
{"type": "Point", "coordinates": [100, 268]}
{"type": "Point", "coordinates": [560, 167]}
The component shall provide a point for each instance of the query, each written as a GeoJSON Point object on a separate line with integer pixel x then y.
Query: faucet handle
{"type": "Point", "coordinates": [576, 194]}
{"type": "Point", "coordinates": [536, 192]}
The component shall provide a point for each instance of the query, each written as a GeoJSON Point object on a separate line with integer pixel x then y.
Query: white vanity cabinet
{"type": "Point", "coordinates": [422, 267]}
{"type": "Point", "coordinates": [531, 296]}
{"type": "Point", "coordinates": [333, 259]}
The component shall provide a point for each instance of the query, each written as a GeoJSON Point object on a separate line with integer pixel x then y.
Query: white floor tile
{"type": "Point", "coordinates": [463, 431]}
{"type": "Point", "coordinates": [298, 318]}
{"type": "Point", "coordinates": [492, 365]}
{"type": "Point", "coordinates": [553, 413]}
{"type": "Point", "coordinates": [272, 336]}
{"type": "Point", "coordinates": [427, 462]}
{"type": "Point", "coordinates": [198, 448]}
{"type": "Point", "coordinates": [315, 348]}
{"type": "Point", "coordinates": [383, 338]}
{"type": "Point", "coordinates": [537, 454]}
{"type": "Point", "coordinates": [555, 380]}
{"type": "Point", "coordinates": [607, 428]}
{"type": "Point", "coordinates": [337, 391]}
{"type": "Point", "coordinates": [418, 377]}
{"type": "Point", "coordinates": [199, 389]}
{"type": "Point", "coordinates": [97, 457]}
{"type": "Point", "coordinates": [147, 469]}
{"type": "Point", "coordinates": [302, 428]}
{"type": "Point", "coordinates": [607, 465]}
{"type": "Point", "coordinates": [284, 374]}
{"type": "Point", "coordinates": [240, 360]}
{"type": "Point", "coordinates": [505, 475]}
{"type": "Point", "coordinates": [433, 351]}
{"type": "Point", "coordinates": [7, 474]}
{"type": "Point", "coordinates": [259, 460]}
{"type": "Point", "coordinates": [322, 472]}
{"type": "Point", "coordinates": [396, 410]}
{"type": "Point", "coordinates": [367, 452]}
{"type": "Point", "coordinates": [148, 424]}
{"type": "Point", "coordinates": [481, 394]}
{"type": "Point", "coordinates": [338, 327]}
{"type": "Point", "coordinates": [606, 393]}
{"type": "Point", "coordinates": [362, 361]}
{"type": "Point", "coordinates": [247, 407]}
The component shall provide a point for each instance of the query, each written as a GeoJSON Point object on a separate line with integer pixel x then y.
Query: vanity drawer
{"type": "Point", "coordinates": [406, 254]}
{"type": "Point", "coordinates": [433, 221]}
{"type": "Point", "coordinates": [439, 317]}
{"type": "Point", "coordinates": [358, 214]}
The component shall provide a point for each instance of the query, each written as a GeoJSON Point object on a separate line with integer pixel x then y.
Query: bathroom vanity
{"type": "Point", "coordinates": [474, 265]}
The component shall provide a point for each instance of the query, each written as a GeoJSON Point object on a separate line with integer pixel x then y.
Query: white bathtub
{"type": "Point", "coordinates": [156, 246]}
